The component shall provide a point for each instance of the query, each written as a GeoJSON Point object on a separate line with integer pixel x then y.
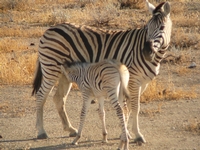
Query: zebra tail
{"type": "Point", "coordinates": [38, 79]}
{"type": "Point", "coordinates": [124, 76]}
{"type": "Point", "coordinates": [126, 92]}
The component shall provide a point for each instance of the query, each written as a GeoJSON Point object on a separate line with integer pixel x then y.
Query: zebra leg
{"type": "Point", "coordinates": [59, 100]}
{"type": "Point", "coordinates": [126, 115]}
{"type": "Point", "coordinates": [40, 101]}
{"type": "Point", "coordinates": [86, 104]}
{"type": "Point", "coordinates": [102, 117]}
{"type": "Point", "coordinates": [41, 97]}
{"type": "Point", "coordinates": [124, 140]}
{"type": "Point", "coordinates": [135, 108]}
{"type": "Point", "coordinates": [123, 102]}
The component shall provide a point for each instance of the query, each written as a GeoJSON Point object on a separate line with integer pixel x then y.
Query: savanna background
{"type": "Point", "coordinates": [170, 106]}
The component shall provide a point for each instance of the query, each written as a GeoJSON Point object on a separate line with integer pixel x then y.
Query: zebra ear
{"type": "Point", "coordinates": [166, 8]}
{"type": "Point", "coordinates": [150, 6]}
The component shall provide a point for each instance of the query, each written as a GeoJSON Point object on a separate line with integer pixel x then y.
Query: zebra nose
{"type": "Point", "coordinates": [147, 50]}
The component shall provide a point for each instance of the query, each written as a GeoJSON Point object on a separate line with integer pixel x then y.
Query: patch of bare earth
{"type": "Point", "coordinates": [170, 113]}
{"type": "Point", "coordinates": [163, 123]}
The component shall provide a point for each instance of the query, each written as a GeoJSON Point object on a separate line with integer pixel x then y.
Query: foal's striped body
{"type": "Point", "coordinates": [106, 79]}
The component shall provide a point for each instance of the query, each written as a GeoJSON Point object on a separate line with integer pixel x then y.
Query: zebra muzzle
{"type": "Point", "coordinates": [148, 51]}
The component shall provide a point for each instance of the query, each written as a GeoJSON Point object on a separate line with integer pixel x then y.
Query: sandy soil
{"type": "Point", "coordinates": [163, 123]}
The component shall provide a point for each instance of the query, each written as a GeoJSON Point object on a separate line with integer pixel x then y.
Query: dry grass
{"type": "Point", "coordinates": [23, 32]}
{"type": "Point", "coordinates": [166, 91]}
{"type": "Point", "coordinates": [152, 112]}
{"type": "Point", "coordinates": [19, 5]}
{"type": "Point", "coordinates": [12, 45]}
{"type": "Point", "coordinates": [18, 70]}
{"type": "Point", "coordinates": [23, 20]}
{"type": "Point", "coordinates": [192, 126]}
{"type": "Point", "coordinates": [184, 39]}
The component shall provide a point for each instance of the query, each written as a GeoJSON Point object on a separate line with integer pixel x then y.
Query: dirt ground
{"type": "Point", "coordinates": [163, 123]}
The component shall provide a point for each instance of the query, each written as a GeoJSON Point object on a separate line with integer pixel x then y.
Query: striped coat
{"type": "Point", "coordinates": [141, 50]}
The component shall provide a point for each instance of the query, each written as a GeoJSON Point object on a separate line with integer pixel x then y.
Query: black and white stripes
{"type": "Point", "coordinates": [105, 79]}
{"type": "Point", "coordinates": [141, 50]}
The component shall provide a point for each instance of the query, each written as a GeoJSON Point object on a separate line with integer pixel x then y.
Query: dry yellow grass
{"type": "Point", "coordinates": [23, 20]}
{"type": "Point", "coordinates": [23, 32]}
{"type": "Point", "coordinates": [12, 45]}
{"type": "Point", "coordinates": [17, 70]}
{"type": "Point", "coordinates": [166, 91]}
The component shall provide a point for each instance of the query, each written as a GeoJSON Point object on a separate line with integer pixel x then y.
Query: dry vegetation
{"type": "Point", "coordinates": [24, 21]}
{"type": "Point", "coordinates": [192, 126]}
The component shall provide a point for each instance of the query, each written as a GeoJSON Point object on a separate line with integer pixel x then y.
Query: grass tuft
{"type": "Point", "coordinates": [166, 91]}
{"type": "Point", "coordinates": [18, 70]}
{"type": "Point", "coordinates": [192, 126]}
{"type": "Point", "coordinates": [19, 5]}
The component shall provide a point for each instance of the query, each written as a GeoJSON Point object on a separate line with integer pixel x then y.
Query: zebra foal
{"type": "Point", "coordinates": [105, 79]}
{"type": "Point", "coordinates": [141, 50]}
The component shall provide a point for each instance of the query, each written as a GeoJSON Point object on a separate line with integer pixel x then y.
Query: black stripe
{"type": "Point", "coordinates": [109, 49]}
{"type": "Point", "coordinates": [47, 83]}
{"type": "Point", "coordinates": [129, 59]}
{"type": "Point", "coordinates": [51, 58]}
{"type": "Point", "coordinates": [70, 41]}
{"type": "Point", "coordinates": [49, 74]}
{"type": "Point", "coordinates": [55, 51]}
{"type": "Point", "coordinates": [87, 45]}
{"type": "Point", "coordinates": [146, 65]}
{"type": "Point", "coordinates": [140, 55]}
{"type": "Point", "coordinates": [122, 39]}
{"type": "Point", "coordinates": [99, 43]}
{"type": "Point", "coordinates": [130, 43]}
{"type": "Point", "coordinates": [56, 41]}
{"type": "Point", "coordinates": [99, 84]}
{"type": "Point", "coordinates": [105, 69]}
{"type": "Point", "coordinates": [41, 42]}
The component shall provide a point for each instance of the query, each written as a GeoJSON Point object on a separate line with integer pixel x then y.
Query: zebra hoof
{"type": "Point", "coordinates": [139, 141]}
{"type": "Point", "coordinates": [42, 136]}
{"type": "Point", "coordinates": [93, 101]}
{"type": "Point", "coordinates": [104, 141]}
{"type": "Point", "coordinates": [73, 134]}
{"type": "Point", "coordinates": [74, 143]}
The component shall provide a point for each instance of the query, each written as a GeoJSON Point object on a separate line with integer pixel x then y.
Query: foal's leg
{"type": "Point", "coordinates": [102, 118]}
{"type": "Point", "coordinates": [115, 103]}
{"type": "Point", "coordinates": [86, 103]}
{"type": "Point", "coordinates": [123, 103]}
{"type": "Point", "coordinates": [60, 99]}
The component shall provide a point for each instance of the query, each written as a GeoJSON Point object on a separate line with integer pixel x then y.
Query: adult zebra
{"type": "Point", "coordinates": [141, 50]}
{"type": "Point", "coordinates": [104, 79]}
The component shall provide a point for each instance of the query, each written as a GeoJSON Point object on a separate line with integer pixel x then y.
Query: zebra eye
{"type": "Point", "coordinates": [162, 27]}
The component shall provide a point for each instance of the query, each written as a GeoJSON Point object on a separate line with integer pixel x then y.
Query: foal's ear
{"type": "Point", "coordinates": [166, 8]}
{"type": "Point", "coordinates": [150, 6]}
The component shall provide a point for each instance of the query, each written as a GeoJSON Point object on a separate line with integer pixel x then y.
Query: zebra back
{"type": "Point", "coordinates": [107, 73]}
